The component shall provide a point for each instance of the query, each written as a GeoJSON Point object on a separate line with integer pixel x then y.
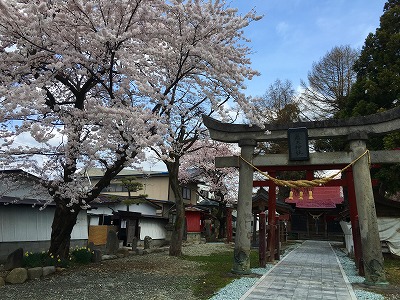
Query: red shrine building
{"type": "Point", "coordinates": [316, 213]}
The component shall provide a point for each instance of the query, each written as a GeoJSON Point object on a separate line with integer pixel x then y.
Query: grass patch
{"type": "Point", "coordinates": [392, 269]}
{"type": "Point", "coordinates": [217, 268]}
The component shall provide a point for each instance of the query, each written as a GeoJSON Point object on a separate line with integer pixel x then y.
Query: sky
{"type": "Point", "coordinates": [295, 33]}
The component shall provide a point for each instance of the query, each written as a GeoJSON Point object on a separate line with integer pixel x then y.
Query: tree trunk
{"type": "Point", "coordinates": [63, 223]}
{"type": "Point", "coordinates": [175, 248]}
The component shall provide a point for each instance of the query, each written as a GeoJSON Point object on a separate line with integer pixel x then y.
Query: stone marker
{"type": "Point", "coordinates": [2, 282]}
{"type": "Point", "coordinates": [17, 275]}
{"type": "Point", "coordinates": [49, 270]}
{"type": "Point", "coordinates": [148, 242]}
{"type": "Point", "coordinates": [90, 246]}
{"type": "Point", "coordinates": [14, 259]}
{"type": "Point", "coordinates": [35, 273]}
{"type": "Point", "coordinates": [112, 244]}
{"type": "Point", "coordinates": [134, 243]}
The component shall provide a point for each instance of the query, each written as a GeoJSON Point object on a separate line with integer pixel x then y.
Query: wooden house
{"type": "Point", "coordinates": [23, 221]}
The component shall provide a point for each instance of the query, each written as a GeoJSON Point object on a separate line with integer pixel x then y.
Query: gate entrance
{"type": "Point", "coordinates": [356, 130]}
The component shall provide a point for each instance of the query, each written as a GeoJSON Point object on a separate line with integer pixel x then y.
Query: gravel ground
{"type": "Point", "coordinates": [154, 276]}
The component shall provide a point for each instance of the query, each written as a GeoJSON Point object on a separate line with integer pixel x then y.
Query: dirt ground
{"type": "Point", "coordinates": [153, 276]}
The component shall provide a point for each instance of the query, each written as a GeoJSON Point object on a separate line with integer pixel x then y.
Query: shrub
{"type": "Point", "coordinates": [32, 260]}
{"type": "Point", "coordinates": [81, 255]}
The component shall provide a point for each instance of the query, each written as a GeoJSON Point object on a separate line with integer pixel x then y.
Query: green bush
{"type": "Point", "coordinates": [33, 260]}
{"type": "Point", "coordinates": [81, 255]}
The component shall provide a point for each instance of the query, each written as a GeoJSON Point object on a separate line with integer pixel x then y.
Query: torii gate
{"type": "Point", "coordinates": [355, 129]}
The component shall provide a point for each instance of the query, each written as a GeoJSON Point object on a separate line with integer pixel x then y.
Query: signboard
{"type": "Point", "coordinates": [298, 144]}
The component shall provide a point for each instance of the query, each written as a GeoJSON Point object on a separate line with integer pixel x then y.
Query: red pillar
{"type": "Point", "coordinates": [271, 218]}
{"type": "Point", "coordinates": [261, 237]}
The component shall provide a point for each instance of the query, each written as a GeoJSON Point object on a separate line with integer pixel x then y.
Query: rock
{"type": "Point", "coordinates": [59, 269]}
{"type": "Point", "coordinates": [108, 257]}
{"type": "Point", "coordinates": [148, 242]}
{"type": "Point", "coordinates": [49, 270]}
{"type": "Point", "coordinates": [124, 252]}
{"type": "Point", "coordinates": [96, 257]}
{"type": "Point", "coordinates": [112, 244]}
{"type": "Point", "coordinates": [17, 275]}
{"type": "Point", "coordinates": [14, 259]}
{"type": "Point", "coordinates": [35, 273]}
{"type": "Point", "coordinates": [2, 282]}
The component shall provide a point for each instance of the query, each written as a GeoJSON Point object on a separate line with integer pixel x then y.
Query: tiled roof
{"type": "Point", "coordinates": [323, 197]}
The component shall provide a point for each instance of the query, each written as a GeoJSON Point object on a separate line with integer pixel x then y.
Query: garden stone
{"type": "Point", "coordinates": [2, 282]}
{"type": "Point", "coordinates": [148, 242]}
{"type": "Point", "coordinates": [49, 270]}
{"type": "Point", "coordinates": [112, 244]}
{"type": "Point", "coordinates": [35, 273]}
{"type": "Point", "coordinates": [108, 257]}
{"type": "Point", "coordinates": [14, 259]}
{"type": "Point", "coordinates": [123, 252]}
{"type": "Point", "coordinates": [96, 257]}
{"type": "Point", "coordinates": [17, 275]}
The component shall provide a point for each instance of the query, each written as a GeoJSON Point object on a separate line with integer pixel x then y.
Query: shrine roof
{"type": "Point", "coordinates": [323, 197]}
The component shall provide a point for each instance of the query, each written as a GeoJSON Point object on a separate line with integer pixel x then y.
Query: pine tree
{"type": "Point", "coordinates": [378, 81]}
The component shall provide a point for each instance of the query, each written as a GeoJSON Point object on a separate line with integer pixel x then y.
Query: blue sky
{"type": "Point", "coordinates": [295, 33]}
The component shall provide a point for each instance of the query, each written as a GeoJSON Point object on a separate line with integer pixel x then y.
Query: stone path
{"type": "Point", "coordinates": [312, 271]}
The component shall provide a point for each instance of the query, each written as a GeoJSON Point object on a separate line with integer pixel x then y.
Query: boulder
{"type": "Point", "coordinates": [2, 282]}
{"type": "Point", "coordinates": [108, 257]}
{"type": "Point", "coordinates": [35, 273]}
{"type": "Point", "coordinates": [14, 259]}
{"type": "Point", "coordinates": [96, 256]}
{"type": "Point", "coordinates": [123, 252]}
{"type": "Point", "coordinates": [17, 275]}
{"type": "Point", "coordinates": [49, 270]}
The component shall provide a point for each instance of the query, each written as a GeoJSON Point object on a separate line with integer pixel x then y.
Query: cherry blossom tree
{"type": "Point", "coordinates": [201, 71]}
{"type": "Point", "coordinates": [198, 165]}
{"type": "Point", "coordinates": [67, 74]}
{"type": "Point", "coordinates": [92, 83]}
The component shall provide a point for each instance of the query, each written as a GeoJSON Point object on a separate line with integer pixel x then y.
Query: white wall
{"type": "Point", "coordinates": [143, 208]}
{"type": "Point", "coordinates": [153, 228]}
{"type": "Point", "coordinates": [24, 223]}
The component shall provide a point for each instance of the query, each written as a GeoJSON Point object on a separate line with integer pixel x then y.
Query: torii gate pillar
{"type": "Point", "coordinates": [371, 245]}
{"type": "Point", "coordinates": [241, 258]}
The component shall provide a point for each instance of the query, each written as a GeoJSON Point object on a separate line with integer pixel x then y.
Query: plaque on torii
{"type": "Point", "coordinates": [357, 130]}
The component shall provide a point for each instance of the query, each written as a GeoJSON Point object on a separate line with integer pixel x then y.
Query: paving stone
{"type": "Point", "coordinates": [309, 272]}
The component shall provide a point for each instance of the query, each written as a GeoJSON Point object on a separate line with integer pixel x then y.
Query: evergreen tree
{"type": "Point", "coordinates": [378, 82]}
{"type": "Point", "coordinates": [377, 87]}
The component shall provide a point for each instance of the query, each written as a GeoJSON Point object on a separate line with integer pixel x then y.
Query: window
{"type": "Point", "coordinates": [186, 193]}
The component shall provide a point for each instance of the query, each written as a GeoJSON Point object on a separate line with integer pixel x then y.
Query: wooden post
{"type": "Point", "coordinates": [277, 239]}
{"type": "Point", "coordinates": [241, 255]}
{"type": "Point", "coordinates": [271, 219]}
{"type": "Point", "coordinates": [254, 240]}
{"type": "Point", "coordinates": [262, 247]}
{"type": "Point", "coordinates": [228, 225]}
{"type": "Point", "coordinates": [371, 245]}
